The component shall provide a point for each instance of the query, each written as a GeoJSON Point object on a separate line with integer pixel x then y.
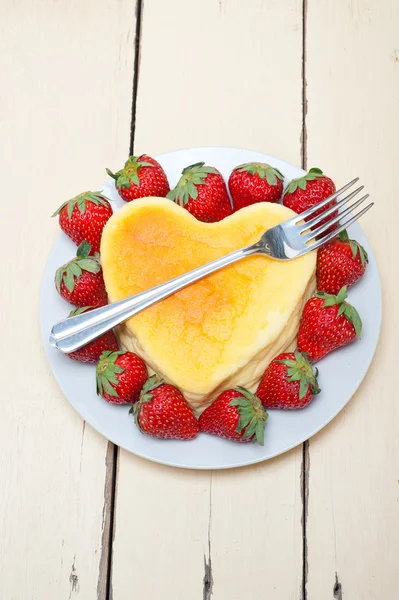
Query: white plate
{"type": "Point", "coordinates": [340, 373]}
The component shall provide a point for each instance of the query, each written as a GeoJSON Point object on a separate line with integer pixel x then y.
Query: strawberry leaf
{"type": "Point", "coordinates": [250, 430]}
{"type": "Point", "coordinates": [252, 416]}
{"type": "Point", "coordinates": [106, 385]}
{"type": "Point", "coordinates": [87, 264]}
{"type": "Point", "coordinates": [83, 250]}
{"type": "Point", "coordinates": [271, 177]}
{"type": "Point", "coordinates": [81, 202]}
{"type": "Point", "coordinates": [70, 208]}
{"type": "Point", "coordinates": [363, 255]}
{"type": "Point", "coordinates": [303, 388]}
{"type": "Point", "coordinates": [106, 373]}
{"type": "Point", "coordinates": [300, 182]}
{"type": "Point", "coordinates": [192, 167]}
{"type": "Point", "coordinates": [342, 295]}
{"type": "Point", "coordinates": [111, 174]}
{"type": "Point", "coordinates": [150, 385]}
{"type": "Point", "coordinates": [69, 280]}
{"type": "Point", "coordinates": [58, 279]}
{"type": "Point", "coordinates": [57, 212]}
{"type": "Point", "coordinates": [134, 179]}
{"type": "Point", "coordinates": [358, 248]}
{"type": "Point", "coordinates": [302, 372]}
{"type": "Point", "coordinates": [353, 316]}
{"type": "Point", "coordinates": [243, 421]}
{"type": "Point", "coordinates": [123, 181]}
{"type": "Point", "coordinates": [191, 177]}
{"type": "Point", "coordinates": [263, 171]}
{"type": "Point", "coordinates": [260, 431]}
{"type": "Point", "coordinates": [78, 311]}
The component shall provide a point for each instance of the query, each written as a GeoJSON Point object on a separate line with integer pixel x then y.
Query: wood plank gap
{"type": "Point", "coordinates": [305, 446]}
{"type": "Point", "coordinates": [104, 590]}
{"type": "Point", "coordinates": [114, 467]}
{"type": "Point", "coordinates": [304, 136]}
{"type": "Point", "coordinates": [337, 589]}
{"type": "Point", "coordinates": [137, 45]}
{"type": "Point", "coordinates": [305, 509]}
{"type": "Point", "coordinates": [108, 593]}
{"type": "Point", "coordinates": [208, 575]}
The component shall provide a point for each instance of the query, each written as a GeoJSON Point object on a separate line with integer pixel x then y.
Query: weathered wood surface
{"type": "Point", "coordinates": [210, 76]}
{"type": "Point", "coordinates": [66, 71]}
{"type": "Point", "coordinates": [353, 129]}
{"type": "Point", "coordinates": [216, 72]}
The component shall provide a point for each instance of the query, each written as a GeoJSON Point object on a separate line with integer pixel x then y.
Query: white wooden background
{"type": "Point", "coordinates": [82, 83]}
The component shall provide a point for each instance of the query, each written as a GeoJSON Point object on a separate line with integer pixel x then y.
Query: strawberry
{"type": "Point", "coordinates": [237, 415]}
{"type": "Point", "coordinates": [80, 281]}
{"type": "Point", "coordinates": [327, 323]}
{"type": "Point", "coordinates": [120, 377]}
{"type": "Point", "coordinates": [84, 217]}
{"type": "Point", "coordinates": [163, 412]}
{"type": "Point", "coordinates": [140, 177]}
{"type": "Point", "coordinates": [341, 262]}
{"type": "Point", "coordinates": [255, 182]}
{"type": "Point", "coordinates": [92, 351]}
{"type": "Point", "coordinates": [288, 382]}
{"type": "Point", "coordinates": [303, 193]}
{"type": "Point", "coordinates": [202, 191]}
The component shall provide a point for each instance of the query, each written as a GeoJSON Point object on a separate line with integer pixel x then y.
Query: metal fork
{"type": "Point", "coordinates": [286, 241]}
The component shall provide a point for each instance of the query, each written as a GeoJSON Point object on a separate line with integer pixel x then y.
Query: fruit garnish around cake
{"type": "Point", "coordinates": [237, 415]}
{"type": "Point", "coordinates": [341, 262]}
{"type": "Point", "coordinates": [223, 330]}
{"type": "Point", "coordinates": [140, 177]}
{"type": "Point", "coordinates": [289, 382]}
{"type": "Point", "coordinates": [328, 322]}
{"type": "Point", "coordinates": [120, 377]}
{"type": "Point", "coordinates": [162, 412]}
{"type": "Point", "coordinates": [92, 351]}
{"type": "Point", "coordinates": [255, 182]}
{"type": "Point", "coordinates": [201, 190]}
{"type": "Point", "coordinates": [80, 281]}
{"type": "Point", "coordinates": [306, 191]}
{"type": "Point", "coordinates": [83, 218]}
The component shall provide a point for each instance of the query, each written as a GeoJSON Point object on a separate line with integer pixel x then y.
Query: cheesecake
{"type": "Point", "coordinates": [223, 330]}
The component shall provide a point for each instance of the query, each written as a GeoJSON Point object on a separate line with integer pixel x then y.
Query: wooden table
{"type": "Point", "coordinates": [83, 85]}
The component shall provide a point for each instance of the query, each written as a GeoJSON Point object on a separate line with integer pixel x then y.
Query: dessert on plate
{"type": "Point", "coordinates": [221, 331]}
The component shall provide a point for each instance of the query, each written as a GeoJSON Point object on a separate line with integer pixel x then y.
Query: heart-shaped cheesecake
{"type": "Point", "coordinates": [222, 330]}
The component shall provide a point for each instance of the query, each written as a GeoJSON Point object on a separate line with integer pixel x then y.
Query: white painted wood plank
{"type": "Point", "coordinates": [353, 129]}
{"type": "Point", "coordinates": [65, 103]}
{"type": "Point", "coordinates": [214, 73]}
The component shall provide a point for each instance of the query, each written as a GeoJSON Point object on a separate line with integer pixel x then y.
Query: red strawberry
{"type": "Point", "coordinates": [163, 412]}
{"type": "Point", "coordinates": [237, 415]}
{"type": "Point", "coordinates": [303, 193]}
{"type": "Point", "coordinates": [255, 182]}
{"type": "Point", "coordinates": [92, 351]}
{"type": "Point", "coordinates": [288, 382]}
{"type": "Point", "coordinates": [84, 217]}
{"type": "Point", "coordinates": [202, 191]}
{"type": "Point", "coordinates": [140, 177]}
{"type": "Point", "coordinates": [80, 281]}
{"type": "Point", "coordinates": [341, 262]}
{"type": "Point", "coordinates": [120, 377]}
{"type": "Point", "coordinates": [327, 323]}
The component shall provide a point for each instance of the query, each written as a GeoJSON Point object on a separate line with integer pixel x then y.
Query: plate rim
{"type": "Point", "coordinates": [285, 449]}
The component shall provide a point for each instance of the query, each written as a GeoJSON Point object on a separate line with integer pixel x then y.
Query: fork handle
{"type": "Point", "coordinates": [73, 333]}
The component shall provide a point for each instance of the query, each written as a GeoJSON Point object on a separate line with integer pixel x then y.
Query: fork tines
{"type": "Point", "coordinates": [310, 231]}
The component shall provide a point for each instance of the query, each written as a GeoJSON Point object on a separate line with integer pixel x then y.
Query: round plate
{"type": "Point", "coordinates": [341, 372]}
